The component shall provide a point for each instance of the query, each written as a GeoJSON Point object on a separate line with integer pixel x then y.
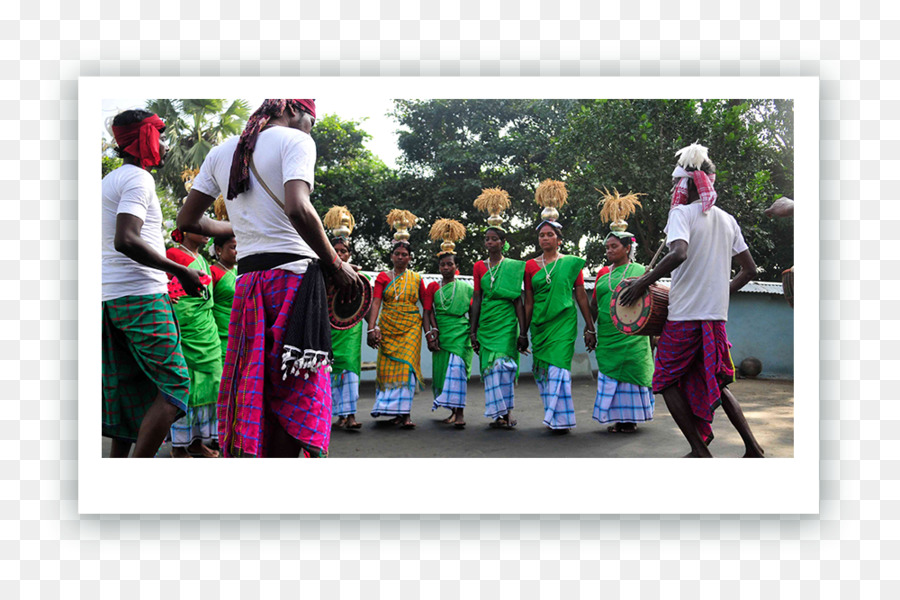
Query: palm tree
{"type": "Point", "coordinates": [193, 128]}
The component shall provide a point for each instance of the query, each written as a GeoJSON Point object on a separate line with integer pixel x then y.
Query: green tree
{"type": "Point", "coordinates": [631, 145]}
{"type": "Point", "coordinates": [348, 174]}
{"type": "Point", "coordinates": [452, 149]}
{"type": "Point", "coordinates": [193, 128]}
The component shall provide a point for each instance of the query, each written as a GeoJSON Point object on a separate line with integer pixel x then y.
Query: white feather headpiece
{"type": "Point", "coordinates": [693, 156]}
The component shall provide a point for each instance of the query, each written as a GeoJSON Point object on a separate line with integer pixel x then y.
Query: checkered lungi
{"type": "Point", "coordinates": [621, 402]}
{"type": "Point", "coordinates": [253, 394]}
{"type": "Point", "coordinates": [499, 388]}
{"type": "Point", "coordinates": [395, 401]}
{"type": "Point", "coordinates": [344, 393]}
{"type": "Point", "coordinates": [200, 423]}
{"type": "Point", "coordinates": [555, 388]}
{"type": "Point", "coordinates": [454, 393]}
{"type": "Point", "coordinates": [141, 357]}
{"type": "Point", "coordinates": [694, 355]}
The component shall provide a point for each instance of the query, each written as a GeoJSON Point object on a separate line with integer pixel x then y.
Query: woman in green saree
{"type": "Point", "coordinates": [498, 326]}
{"type": "Point", "coordinates": [447, 304]}
{"type": "Point", "coordinates": [224, 276]}
{"type": "Point", "coordinates": [624, 362]}
{"type": "Point", "coordinates": [551, 281]}
{"type": "Point", "coordinates": [202, 352]}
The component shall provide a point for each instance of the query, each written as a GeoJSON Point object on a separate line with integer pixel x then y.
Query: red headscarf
{"type": "Point", "coordinates": [239, 178]}
{"type": "Point", "coordinates": [141, 140]}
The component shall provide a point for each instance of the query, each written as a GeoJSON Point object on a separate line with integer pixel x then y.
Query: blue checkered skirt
{"type": "Point", "coordinates": [344, 393]}
{"type": "Point", "coordinates": [499, 388]}
{"type": "Point", "coordinates": [620, 402]}
{"type": "Point", "coordinates": [454, 393]}
{"type": "Point", "coordinates": [555, 388]}
{"type": "Point", "coordinates": [200, 423]}
{"type": "Point", "coordinates": [395, 401]}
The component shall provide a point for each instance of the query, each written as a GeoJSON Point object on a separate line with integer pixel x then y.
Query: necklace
{"type": "Point", "coordinates": [223, 267]}
{"type": "Point", "coordinates": [549, 272]}
{"type": "Point", "coordinates": [492, 271]}
{"type": "Point", "coordinates": [402, 291]}
{"type": "Point", "coordinates": [189, 251]}
{"type": "Point", "coordinates": [621, 279]}
{"type": "Point", "coordinates": [441, 296]}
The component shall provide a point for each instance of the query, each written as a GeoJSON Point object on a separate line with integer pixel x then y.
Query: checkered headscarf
{"type": "Point", "coordinates": [239, 178]}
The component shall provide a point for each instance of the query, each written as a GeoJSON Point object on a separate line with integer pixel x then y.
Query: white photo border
{"type": "Point", "coordinates": [579, 485]}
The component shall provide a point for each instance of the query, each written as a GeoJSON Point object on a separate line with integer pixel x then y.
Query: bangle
{"type": "Point", "coordinates": [335, 265]}
{"type": "Point", "coordinates": [592, 332]}
{"type": "Point", "coordinates": [523, 336]}
{"type": "Point", "coordinates": [373, 329]}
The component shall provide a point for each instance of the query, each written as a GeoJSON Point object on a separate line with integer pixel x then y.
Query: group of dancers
{"type": "Point", "coordinates": [493, 318]}
{"type": "Point", "coordinates": [237, 358]}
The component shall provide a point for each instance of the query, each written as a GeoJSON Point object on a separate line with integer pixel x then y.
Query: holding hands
{"type": "Point", "coordinates": [373, 339]}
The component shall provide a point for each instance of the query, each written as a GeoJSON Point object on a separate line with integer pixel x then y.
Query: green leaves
{"type": "Point", "coordinates": [193, 128]}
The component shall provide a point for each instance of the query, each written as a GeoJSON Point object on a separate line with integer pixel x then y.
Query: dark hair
{"type": "Point", "coordinates": [130, 117]}
{"type": "Point", "coordinates": [623, 241]}
{"type": "Point", "coordinates": [444, 255]}
{"type": "Point", "coordinates": [396, 245]}
{"type": "Point", "coordinates": [556, 230]}
{"type": "Point", "coordinates": [406, 245]}
{"type": "Point", "coordinates": [342, 240]}
{"type": "Point", "coordinates": [500, 233]}
{"type": "Point", "coordinates": [221, 240]}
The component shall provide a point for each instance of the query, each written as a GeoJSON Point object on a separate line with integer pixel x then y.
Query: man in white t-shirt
{"type": "Point", "coordinates": [266, 176]}
{"type": "Point", "coordinates": [145, 378]}
{"type": "Point", "coordinates": [693, 363]}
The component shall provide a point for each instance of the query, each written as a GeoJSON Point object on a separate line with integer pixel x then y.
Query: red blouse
{"type": "Point", "coordinates": [384, 279]}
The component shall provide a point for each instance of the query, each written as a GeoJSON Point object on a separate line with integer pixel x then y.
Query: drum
{"type": "Point", "coordinates": [787, 284]}
{"type": "Point", "coordinates": [346, 314]}
{"type": "Point", "coordinates": [646, 316]}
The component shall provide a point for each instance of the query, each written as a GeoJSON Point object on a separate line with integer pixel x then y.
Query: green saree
{"type": "Point", "coordinates": [498, 326]}
{"type": "Point", "coordinates": [451, 303]}
{"type": "Point", "coordinates": [554, 320]}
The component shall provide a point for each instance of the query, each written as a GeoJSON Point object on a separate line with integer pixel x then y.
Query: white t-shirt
{"type": "Point", "coordinates": [130, 189]}
{"type": "Point", "coordinates": [699, 290]}
{"type": "Point", "coordinates": [282, 154]}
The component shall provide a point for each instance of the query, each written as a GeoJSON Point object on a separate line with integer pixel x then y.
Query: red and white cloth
{"type": "Point", "coordinates": [704, 185]}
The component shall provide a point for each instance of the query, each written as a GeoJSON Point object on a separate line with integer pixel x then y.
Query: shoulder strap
{"type": "Point", "coordinates": [263, 184]}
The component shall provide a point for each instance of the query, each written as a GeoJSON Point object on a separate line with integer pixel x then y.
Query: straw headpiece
{"type": "Point", "coordinates": [449, 230]}
{"type": "Point", "coordinates": [551, 195]}
{"type": "Point", "coordinates": [493, 201]}
{"type": "Point", "coordinates": [219, 208]}
{"type": "Point", "coordinates": [402, 221]}
{"type": "Point", "coordinates": [617, 208]}
{"type": "Point", "coordinates": [340, 221]}
{"type": "Point", "coordinates": [187, 176]}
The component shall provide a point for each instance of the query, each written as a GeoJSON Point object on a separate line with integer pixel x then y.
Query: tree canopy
{"type": "Point", "coordinates": [452, 149]}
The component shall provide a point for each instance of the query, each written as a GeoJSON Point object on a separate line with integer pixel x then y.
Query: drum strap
{"type": "Point", "coordinates": [266, 260]}
{"type": "Point", "coordinates": [262, 182]}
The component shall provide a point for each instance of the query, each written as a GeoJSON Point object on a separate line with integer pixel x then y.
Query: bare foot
{"type": "Point", "coordinates": [340, 423]}
{"type": "Point", "coordinates": [756, 453]}
{"type": "Point", "coordinates": [199, 448]}
{"type": "Point", "coordinates": [693, 455]}
{"type": "Point", "coordinates": [180, 452]}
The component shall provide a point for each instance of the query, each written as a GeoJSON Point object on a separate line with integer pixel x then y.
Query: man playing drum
{"type": "Point", "coordinates": [693, 364]}
{"type": "Point", "coordinates": [275, 396]}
